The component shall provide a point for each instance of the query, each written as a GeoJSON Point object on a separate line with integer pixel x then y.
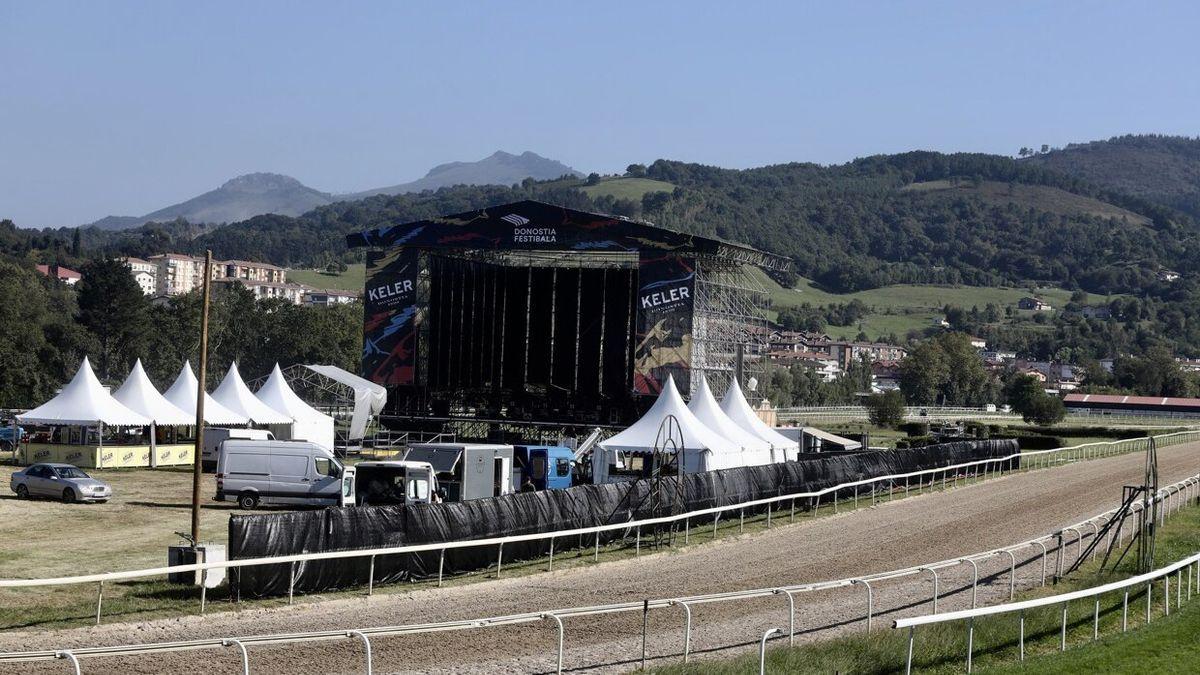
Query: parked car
{"type": "Point", "coordinates": [59, 481]}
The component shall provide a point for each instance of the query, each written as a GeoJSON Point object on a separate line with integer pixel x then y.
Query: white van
{"type": "Point", "coordinates": [214, 436]}
{"type": "Point", "coordinates": [282, 472]}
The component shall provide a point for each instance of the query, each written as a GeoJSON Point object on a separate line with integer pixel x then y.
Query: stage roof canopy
{"type": "Point", "coordinates": [535, 226]}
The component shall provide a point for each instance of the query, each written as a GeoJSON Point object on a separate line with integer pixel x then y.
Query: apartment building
{"type": "Point", "coordinates": [176, 274]}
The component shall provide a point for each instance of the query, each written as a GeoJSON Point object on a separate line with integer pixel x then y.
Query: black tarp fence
{"type": "Point", "coordinates": [368, 527]}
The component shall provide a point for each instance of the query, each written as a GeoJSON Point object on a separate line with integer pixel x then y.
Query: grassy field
{"type": "Point", "coordinates": [1167, 645]}
{"type": "Point", "coordinates": [350, 280]}
{"type": "Point", "coordinates": [904, 307]}
{"type": "Point", "coordinates": [627, 188]}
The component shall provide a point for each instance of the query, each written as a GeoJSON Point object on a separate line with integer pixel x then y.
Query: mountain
{"type": "Point", "coordinates": [1161, 169]}
{"type": "Point", "coordinates": [238, 199]}
{"type": "Point", "coordinates": [501, 168]}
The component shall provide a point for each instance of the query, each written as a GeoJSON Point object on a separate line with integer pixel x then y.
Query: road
{"type": "Point", "coordinates": [891, 535]}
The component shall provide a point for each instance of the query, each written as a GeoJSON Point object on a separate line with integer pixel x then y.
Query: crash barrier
{"type": "Point", "coordinates": [1191, 564]}
{"type": "Point", "coordinates": [1171, 499]}
{"type": "Point", "coordinates": [576, 509]}
{"type": "Point", "coordinates": [947, 476]}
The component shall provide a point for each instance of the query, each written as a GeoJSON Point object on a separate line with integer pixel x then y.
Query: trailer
{"type": "Point", "coordinates": [468, 470]}
{"type": "Point", "coordinates": [544, 467]}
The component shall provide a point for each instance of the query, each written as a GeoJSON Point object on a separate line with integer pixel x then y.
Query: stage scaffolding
{"type": "Point", "coordinates": [731, 310]}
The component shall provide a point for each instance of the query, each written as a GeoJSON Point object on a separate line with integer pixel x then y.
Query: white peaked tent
{"type": "Point", "coordinates": [139, 395]}
{"type": "Point", "coordinates": [703, 448]}
{"type": "Point", "coordinates": [235, 395]}
{"type": "Point", "coordinates": [183, 394]}
{"type": "Point", "coordinates": [84, 402]}
{"type": "Point", "coordinates": [735, 406]}
{"type": "Point", "coordinates": [308, 423]}
{"type": "Point", "coordinates": [754, 449]}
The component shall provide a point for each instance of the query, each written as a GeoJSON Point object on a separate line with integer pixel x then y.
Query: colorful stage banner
{"type": "Point", "coordinates": [391, 317]}
{"type": "Point", "coordinates": [665, 302]}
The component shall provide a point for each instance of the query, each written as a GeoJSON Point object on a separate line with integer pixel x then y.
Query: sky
{"type": "Point", "coordinates": [121, 108]}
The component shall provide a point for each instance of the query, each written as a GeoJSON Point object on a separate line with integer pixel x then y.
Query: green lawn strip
{"type": "Point", "coordinates": [75, 605]}
{"type": "Point", "coordinates": [943, 648]}
{"type": "Point", "coordinates": [350, 280]}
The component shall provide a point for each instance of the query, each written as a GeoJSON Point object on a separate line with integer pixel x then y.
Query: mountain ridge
{"type": "Point", "coordinates": [261, 193]}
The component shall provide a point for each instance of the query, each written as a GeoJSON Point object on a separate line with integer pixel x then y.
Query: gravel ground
{"type": "Point", "coordinates": [895, 534]}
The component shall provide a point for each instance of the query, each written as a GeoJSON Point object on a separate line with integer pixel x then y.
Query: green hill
{"type": "Point", "coordinates": [1161, 169]}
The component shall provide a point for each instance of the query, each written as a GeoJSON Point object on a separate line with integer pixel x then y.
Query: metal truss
{"type": "Point", "coordinates": [731, 310]}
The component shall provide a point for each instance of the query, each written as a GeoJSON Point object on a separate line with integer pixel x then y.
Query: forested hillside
{"type": "Point", "coordinates": [1161, 169]}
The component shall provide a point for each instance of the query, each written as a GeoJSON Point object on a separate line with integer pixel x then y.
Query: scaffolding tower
{"type": "Point", "coordinates": [730, 310]}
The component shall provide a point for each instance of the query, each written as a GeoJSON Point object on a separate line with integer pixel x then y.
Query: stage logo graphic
{"type": "Point", "coordinates": [391, 317]}
{"type": "Point", "coordinates": [666, 301]}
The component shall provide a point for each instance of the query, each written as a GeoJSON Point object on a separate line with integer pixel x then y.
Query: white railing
{"type": "Point", "coordinates": [1173, 497]}
{"type": "Point", "coordinates": [976, 468]}
{"type": "Point", "coordinates": [1064, 599]}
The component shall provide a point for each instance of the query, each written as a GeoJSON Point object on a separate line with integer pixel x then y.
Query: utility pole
{"type": "Point", "coordinates": [200, 400]}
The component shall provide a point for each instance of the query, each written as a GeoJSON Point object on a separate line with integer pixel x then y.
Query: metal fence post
{"type": "Point", "coordinates": [791, 615]}
{"type": "Point", "coordinates": [970, 641]}
{"type": "Point", "coordinates": [908, 662]}
{"type": "Point", "coordinates": [870, 599]}
{"type": "Point", "coordinates": [561, 640]}
{"type": "Point", "coordinates": [66, 654]}
{"type": "Point", "coordinates": [1012, 574]}
{"type": "Point", "coordinates": [550, 567]}
{"type": "Point", "coordinates": [499, 559]}
{"type": "Point", "coordinates": [371, 577]}
{"type": "Point", "coordinates": [1125, 612]}
{"type": "Point", "coordinates": [762, 650]}
{"type": "Point", "coordinates": [1063, 635]}
{"type": "Point", "coordinates": [442, 565]}
{"type": "Point", "coordinates": [645, 626]}
{"type": "Point", "coordinates": [687, 628]}
{"type": "Point", "coordinates": [366, 645]}
{"type": "Point", "coordinates": [1021, 629]}
{"type": "Point", "coordinates": [935, 587]}
{"type": "Point", "coordinates": [245, 656]}
{"type": "Point", "coordinates": [291, 582]}
{"type": "Point", "coordinates": [100, 601]}
{"type": "Point", "coordinates": [1045, 553]}
{"type": "Point", "coordinates": [974, 579]}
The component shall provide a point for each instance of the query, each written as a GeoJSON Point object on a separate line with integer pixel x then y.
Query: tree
{"type": "Point", "coordinates": [76, 246]}
{"type": "Point", "coordinates": [886, 409]}
{"type": "Point", "coordinates": [592, 179]}
{"type": "Point", "coordinates": [636, 171]}
{"type": "Point", "coordinates": [1045, 410]}
{"type": "Point", "coordinates": [946, 369]}
{"type": "Point", "coordinates": [113, 309]}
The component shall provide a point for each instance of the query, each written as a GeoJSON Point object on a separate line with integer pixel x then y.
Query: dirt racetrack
{"type": "Point", "coordinates": [892, 535]}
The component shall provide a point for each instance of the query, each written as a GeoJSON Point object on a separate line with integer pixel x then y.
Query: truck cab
{"type": "Point", "coordinates": [545, 467]}
{"type": "Point", "coordinates": [379, 483]}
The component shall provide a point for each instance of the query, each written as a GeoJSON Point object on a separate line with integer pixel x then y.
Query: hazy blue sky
{"type": "Point", "coordinates": [124, 107]}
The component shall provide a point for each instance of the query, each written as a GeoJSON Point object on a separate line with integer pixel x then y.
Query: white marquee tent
{"type": "Point", "coordinates": [754, 449]}
{"type": "Point", "coordinates": [703, 448]}
{"type": "Point", "coordinates": [235, 395]}
{"type": "Point", "coordinates": [84, 402]}
{"type": "Point", "coordinates": [735, 406]}
{"type": "Point", "coordinates": [139, 395]}
{"type": "Point", "coordinates": [183, 394]}
{"type": "Point", "coordinates": [308, 423]}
